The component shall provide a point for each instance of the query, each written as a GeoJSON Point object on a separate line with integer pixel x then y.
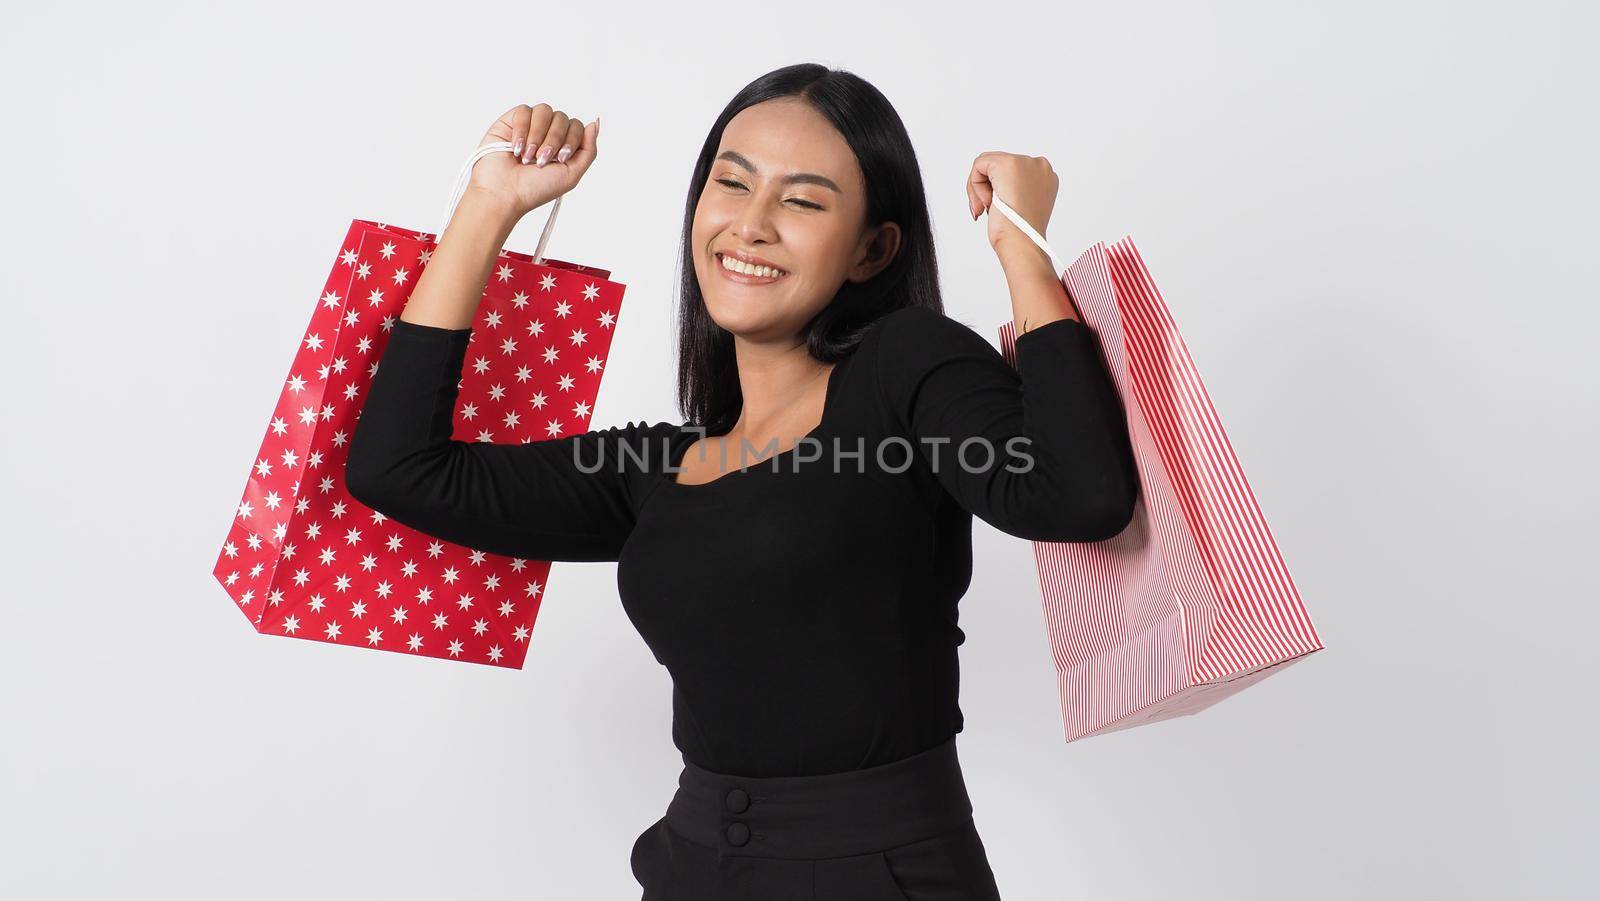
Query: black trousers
{"type": "Point", "coordinates": [898, 832]}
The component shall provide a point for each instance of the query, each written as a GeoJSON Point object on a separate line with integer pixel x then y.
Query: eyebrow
{"type": "Point", "coordinates": [809, 178]}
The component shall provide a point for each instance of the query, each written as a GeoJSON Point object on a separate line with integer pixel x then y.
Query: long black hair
{"type": "Point", "coordinates": [708, 379]}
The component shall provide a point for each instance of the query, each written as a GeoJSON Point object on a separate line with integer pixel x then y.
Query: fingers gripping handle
{"type": "Point", "coordinates": [460, 188]}
{"type": "Point", "coordinates": [1019, 222]}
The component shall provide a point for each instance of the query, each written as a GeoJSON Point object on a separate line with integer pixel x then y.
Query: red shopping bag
{"type": "Point", "coordinates": [1192, 602]}
{"type": "Point", "coordinates": [303, 559]}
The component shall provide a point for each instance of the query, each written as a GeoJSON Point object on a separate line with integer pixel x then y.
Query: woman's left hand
{"type": "Point", "coordinates": [1026, 183]}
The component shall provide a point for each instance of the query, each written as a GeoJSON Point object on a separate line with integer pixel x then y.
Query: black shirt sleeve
{"type": "Point", "coordinates": [944, 385]}
{"type": "Point", "coordinates": [536, 500]}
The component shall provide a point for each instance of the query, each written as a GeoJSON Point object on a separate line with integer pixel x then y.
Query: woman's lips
{"type": "Point", "coordinates": [740, 278]}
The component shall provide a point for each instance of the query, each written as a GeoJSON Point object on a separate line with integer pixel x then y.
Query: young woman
{"type": "Point", "coordinates": [794, 551]}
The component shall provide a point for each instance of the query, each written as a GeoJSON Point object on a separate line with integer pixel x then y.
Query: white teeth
{"type": "Point", "coordinates": [760, 271]}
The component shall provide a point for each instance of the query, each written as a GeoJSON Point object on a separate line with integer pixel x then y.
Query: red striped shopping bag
{"type": "Point", "coordinates": [1192, 602]}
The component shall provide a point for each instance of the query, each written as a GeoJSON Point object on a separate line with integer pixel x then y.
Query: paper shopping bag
{"type": "Point", "coordinates": [1192, 602]}
{"type": "Point", "coordinates": [303, 559]}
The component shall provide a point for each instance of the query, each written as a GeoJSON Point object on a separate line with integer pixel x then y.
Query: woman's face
{"type": "Point", "coordinates": [810, 227]}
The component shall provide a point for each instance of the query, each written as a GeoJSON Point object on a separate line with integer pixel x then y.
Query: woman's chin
{"type": "Point", "coordinates": [749, 316]}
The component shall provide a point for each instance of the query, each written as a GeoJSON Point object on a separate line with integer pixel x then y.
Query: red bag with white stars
{"type": "Point", "coordinates": [305, 560]}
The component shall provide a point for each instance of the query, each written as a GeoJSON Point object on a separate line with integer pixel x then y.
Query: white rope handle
{"type": "Point", "coordinates": [1019, 222]}
{"type": "Point", "coordinates": [460, 189]}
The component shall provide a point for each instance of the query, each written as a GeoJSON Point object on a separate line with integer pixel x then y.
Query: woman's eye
{"type": "Point", "coordinates": [805, 203]}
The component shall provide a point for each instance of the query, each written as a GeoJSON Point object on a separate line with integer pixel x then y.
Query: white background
{"type": "Point", "coordinates": [1374, 223]}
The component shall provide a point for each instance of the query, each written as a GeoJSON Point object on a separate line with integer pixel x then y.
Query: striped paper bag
{"type": "Point", "coordinates": [1192, 602]}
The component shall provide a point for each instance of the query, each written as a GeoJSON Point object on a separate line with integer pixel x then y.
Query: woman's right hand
{"type": "Point", "coordinates": [520, 180]}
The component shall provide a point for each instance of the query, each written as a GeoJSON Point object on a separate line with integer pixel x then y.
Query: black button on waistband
{"type": "Point", "coordinates": [738, 834]}
{"type": "Point", "coordinates": [738, 800]}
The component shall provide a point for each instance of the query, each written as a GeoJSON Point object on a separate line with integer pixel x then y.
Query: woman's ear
{"type": "Point", "coordinates": [878, 251]}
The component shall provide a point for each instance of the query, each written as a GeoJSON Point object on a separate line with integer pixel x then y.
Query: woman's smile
{"type": "Point", "coordinates": [743, 274]}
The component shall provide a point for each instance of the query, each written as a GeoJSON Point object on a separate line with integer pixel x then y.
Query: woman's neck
{"type": "Point", "coordinates": [783, 391]}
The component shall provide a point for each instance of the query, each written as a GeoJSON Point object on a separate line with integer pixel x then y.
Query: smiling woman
{"type": "Point", "coordinates": [776, 231]}
{"type": "Point", "coordinates": [793, 552]}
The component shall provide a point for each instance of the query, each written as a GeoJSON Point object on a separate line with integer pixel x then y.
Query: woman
{"type": "Point", "coordinates": [794, 552]}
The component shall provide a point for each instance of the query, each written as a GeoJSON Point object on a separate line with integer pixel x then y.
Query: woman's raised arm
{"type": "Point", "coordinates": [1040, 451]}
{"type": "Point", "coordinates": [536, 500]}
{"type": "Point", "coordinates": [571, 498]}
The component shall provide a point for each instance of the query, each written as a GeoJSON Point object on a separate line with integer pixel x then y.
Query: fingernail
{"type": "Point", "coordinates": [517, 149]}
{"type": "Point", "coordinates": [543, 157]}
{"type": "Point", "coordinates": [565, 152]}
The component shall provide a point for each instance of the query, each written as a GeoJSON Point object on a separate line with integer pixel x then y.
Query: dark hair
{"type": "Point", "coordinates": [708, 380]}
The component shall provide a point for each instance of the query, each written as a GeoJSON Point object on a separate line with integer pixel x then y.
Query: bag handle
{"type": "Point", "coordinates": [460, 189]}
{"type": "Point", "coordinates": [1019, 222]}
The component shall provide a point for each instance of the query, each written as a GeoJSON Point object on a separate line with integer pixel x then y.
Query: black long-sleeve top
{"type": "Point", "coordinates": [806, 606]}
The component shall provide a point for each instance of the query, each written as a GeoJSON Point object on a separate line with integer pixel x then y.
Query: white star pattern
{"type": "Point", "coordinates": [400, 585]}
